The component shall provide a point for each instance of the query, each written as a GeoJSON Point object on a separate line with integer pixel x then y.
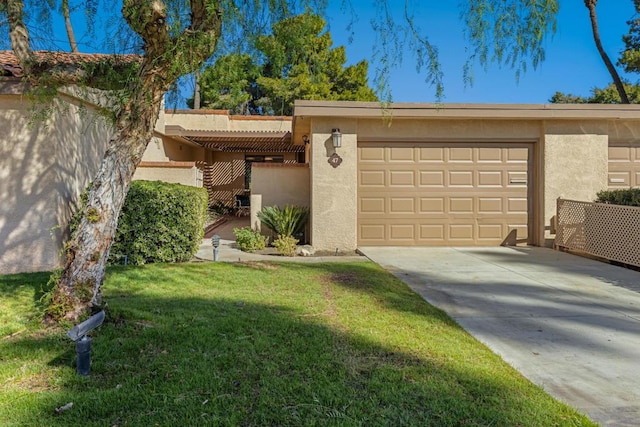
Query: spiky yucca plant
{"type": "Point", "coordinates": [286, 222]}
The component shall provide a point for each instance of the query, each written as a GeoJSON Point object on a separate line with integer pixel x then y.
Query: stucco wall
{"type": "Point", "coordinates": [278, 184]}
{"type": "Point", "coordinates": [448, 130]}
{"type": "Point", "coordinates": [164, 149]}
{"type": "Point", "coordinates": [203, 120]}
{"type": "Point", "coordinates": [43, 169]}
{"type": "Point", "coordinates": [575, 156]}
{"type": "Point", "coordinates": [220, 120]}
{"type": "Point", "coordinates": [178, 174]}
{"type": "Point", "coordinates": [334, 190]}
{"type": "Point", "coordinates": [281, 184]}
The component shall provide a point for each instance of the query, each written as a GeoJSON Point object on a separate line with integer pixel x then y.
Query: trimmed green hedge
{"type": "Point", "coordinates": [159, 222]}
{"type": "Point", "coordinates": [627, 197]}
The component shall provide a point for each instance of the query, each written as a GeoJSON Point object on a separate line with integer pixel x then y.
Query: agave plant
{"type": "Point", "coordinates": [286, 222]}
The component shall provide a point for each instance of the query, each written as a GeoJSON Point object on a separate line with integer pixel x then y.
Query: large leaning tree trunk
{"type": "Point", "coordinates": [166, 57]}
{"type": "Point", "coordinates": [591, 5]}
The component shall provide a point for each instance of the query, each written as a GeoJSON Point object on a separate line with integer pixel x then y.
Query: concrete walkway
{"type": "Point", "coordinates": [569, 324]}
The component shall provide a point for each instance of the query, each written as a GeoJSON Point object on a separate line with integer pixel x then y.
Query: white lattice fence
{"type": "Point", "coordinates": [603, 230]}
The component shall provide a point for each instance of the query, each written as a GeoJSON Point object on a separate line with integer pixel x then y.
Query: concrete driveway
{"type": "Point", "coordinates": [569, 324]}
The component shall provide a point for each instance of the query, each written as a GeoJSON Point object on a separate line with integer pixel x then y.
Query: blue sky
{"type": "Point", "coordinates": [572, 62]}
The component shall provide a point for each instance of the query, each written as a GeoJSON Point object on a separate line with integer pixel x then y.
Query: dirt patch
{"type": "Point", "coordinates": [347, 278]}
{"type": "Point", "coordinates": [259, 265]}
{"type": "Point", "coordinates": [36, 383]}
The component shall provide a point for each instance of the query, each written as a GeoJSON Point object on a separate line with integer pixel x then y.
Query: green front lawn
{"type": "Point", "coordinates": [259, 344]}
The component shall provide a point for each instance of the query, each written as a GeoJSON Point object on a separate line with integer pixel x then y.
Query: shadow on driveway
{"type": "Point", "coordinates": [569, 324]}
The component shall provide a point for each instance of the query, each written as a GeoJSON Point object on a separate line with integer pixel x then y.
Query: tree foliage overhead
{"type": "Point", "coordinates": [508, 32]}
{"type": "Point", "coordinates": [607, 95]}
{"type": "Point", "coordinates": [618, 92]}
{"type": "Point", "coordinates": [630, 57]}
{"type": "Point", "coordinates": [295, 62]}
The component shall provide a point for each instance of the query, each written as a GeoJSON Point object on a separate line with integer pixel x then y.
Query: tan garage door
{"type": "Point", "coordinates": [624, 165]}
{"type": "Point", "coordinates": [452, 194]}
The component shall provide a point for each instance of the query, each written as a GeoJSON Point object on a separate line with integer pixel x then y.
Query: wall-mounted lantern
{"type": "Point", "coordinates": [336, 139]}
{"type": "Point", "coordinates": [336, 136]}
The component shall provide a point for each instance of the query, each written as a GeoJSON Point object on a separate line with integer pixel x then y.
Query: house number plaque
{"type": "Point", "coordinates": [335, 160]}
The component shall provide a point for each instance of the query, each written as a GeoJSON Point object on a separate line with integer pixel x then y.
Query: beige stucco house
{"type": "Point", "coordinates": [409, 174]}
{"type": "Point", "coordinates": [459, 175]}
{"type": "Point", "coordinates": [402, 175]}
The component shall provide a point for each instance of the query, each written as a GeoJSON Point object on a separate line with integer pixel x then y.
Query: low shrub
{"type": "Point", "coordinates": [289, 221]}
{"type": "Point", "coordinates": [627, 197]}
{"type": "Point", "coordinates": [249, 240]}
{"type": "Point", "coordinates": [159, 222]}
{"type": "Point", "coordinates": [286, 245]}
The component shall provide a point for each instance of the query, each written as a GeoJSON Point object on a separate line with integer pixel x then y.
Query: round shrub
{"type": "Point", "coordinates": [159, 222]}
{"type": "Point", "coordinates": [626, 196]}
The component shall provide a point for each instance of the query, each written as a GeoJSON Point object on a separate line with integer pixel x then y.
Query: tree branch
{"type": "Point", "coordinates": [67, 23]}
{"type": "Point", "coordinates": [149, 20]}
{"type": "Point", "coordinates": [591, 5]}
{"type": "Point", "coordinates": [18, 33]}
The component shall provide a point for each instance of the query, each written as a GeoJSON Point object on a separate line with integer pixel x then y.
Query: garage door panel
{"type": "Point", "coordinates": [431, 154]}
{"type": "Point", "coordinates": [461, 232]}
{"type": "Point", "coordinates": [517, 178]}
{"type": "Point", "coordinates": [374, 233]}
{"type": "Point", "coordinates": [402, 205]}
{"type": "Point", "coordinates": [460, 179]}
{"type": "Point", "coordinates": [490, 205]}
{"type": "Point", "coordinates": [490, 155]}
{"type": "Point", "coordinates": [621, 154]}
{"type": "Point", "coordinates": [372, 205]}
{"type": "Point", "coordinates": [432, 205]}
{"type": "Point", "coordinates": [402, 178]}
{"type": "Point", "coordinates": [443, 194]}
{"type": "Point", "coordinates": [490, 179]}
{"type": "Point", "coordinates": [490, 231]}
{"type": "Point", "coordinates": [372, 178]}
{"type": "Point", "coordinates": [371, 154]}
{"type": "Point", "coordinates": [401, 154]}
{"type": "Point", "coordinates": [517, 205]}
{"type": "Point", "coordinates": [431, 233]}
{"type": "Point", "coordinates": [402, 232]}
{"type": "Point", "coordinates": [624, 165]}
{"type": "Point", "coordinates": [461, 205]}
{"type": "Point", "coordinates": [432, 179]}
{"type": "Point", "coordinates": [619, 179]}
{"type": "Point", "coordinates": [517, 155]}
{"type": "Point", "coordinates": [461, 154]}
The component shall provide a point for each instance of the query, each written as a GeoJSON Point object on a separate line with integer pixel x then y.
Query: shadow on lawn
{"type": "Point", "coordinates": [215, 360]}
{"type": "Point", "coordinates": [11, 284]}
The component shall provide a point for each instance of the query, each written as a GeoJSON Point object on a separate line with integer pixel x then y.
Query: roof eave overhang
{"type": "Point", "coordinates": [236, 141]}
{"type": "Point", "coordinates": [371, 110]}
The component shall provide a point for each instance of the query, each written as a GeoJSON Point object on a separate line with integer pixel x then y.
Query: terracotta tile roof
{"type": "Point", "coordinates": [9, 62]}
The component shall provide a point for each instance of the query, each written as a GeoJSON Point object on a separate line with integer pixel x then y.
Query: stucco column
{"type": "Point", "coordinates": [333, 189]}
{"type": "Point", "coordinates": [255, 207]}
{"type": "Point", "coordinates": [575, 163]}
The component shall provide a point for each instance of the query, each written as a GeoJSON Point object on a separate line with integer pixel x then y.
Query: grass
{"type": "Point", "coordinates": [259, 344]}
